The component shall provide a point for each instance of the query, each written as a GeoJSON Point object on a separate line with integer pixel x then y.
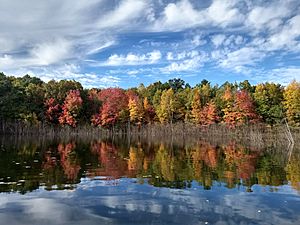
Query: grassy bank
{"type": "Point", "coordinates": [258, 134]}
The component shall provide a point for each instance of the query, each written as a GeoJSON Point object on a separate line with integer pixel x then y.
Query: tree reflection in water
{"type": "Point", "coordinates": [61, 165]}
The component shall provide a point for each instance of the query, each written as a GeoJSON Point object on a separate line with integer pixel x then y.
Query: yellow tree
{"type": "Point", "coordinates": [167, 106]}
{"type": "Point", "coordinates": [228, 99]}
{"type": "Point", "coordinates": [196, 106]}
{"type": "Point", "coordinates": [205, 93]}
{"type": "Point", "coordinates": [292, 103]}
{"type": "Point", "coordinates": [136, 110]}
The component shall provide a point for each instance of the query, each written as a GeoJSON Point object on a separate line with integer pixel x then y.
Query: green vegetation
{"type": "Point", "coordinates": [68, 104]}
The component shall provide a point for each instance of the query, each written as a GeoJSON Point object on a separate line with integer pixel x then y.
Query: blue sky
{"type": "Point", "coordinates": [103, 43]}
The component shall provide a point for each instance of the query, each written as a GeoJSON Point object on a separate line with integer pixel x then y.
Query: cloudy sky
{"type": "Point", "coordinates": [127, 42]}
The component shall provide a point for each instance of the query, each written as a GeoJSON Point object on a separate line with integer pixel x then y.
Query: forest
{"type": "Point", "coordinates": [66, 103]}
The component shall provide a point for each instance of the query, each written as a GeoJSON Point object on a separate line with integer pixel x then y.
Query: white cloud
{"type": "Point", "coordinates": [154, 56]}
{"type": "Point", "coordinates": [225, 12]}
{"type": "Point", "coordinates": [182, 15]}
{"type": "Point", "coordinates": [45, 36]}
{"type": "Point", "coordinates": [232, 42]}
{"type": "Point", "coordinates": [124, 14]}
{"type": "Point", "coordinates": [270, 16]}
{"type": "Point", "coordinates": [53, 52]}
{"type": "Point", "coordinates": [182, 55]}
{"type": "Point", "coordinates": [43, 54]}
{"type": "Point", "coordinates": [282, 75]}
{"type": "Point", "coordinates": [217, 54]}
{"type": "Point", "coordinates": [68, 72]}
{"type": "Point", "coordinates": [238, 39]}
{"type": "Point", "coordinates": [133, 59]}
{"type": "Point", "coordinates": [109, 81]}
{"type": "Point", "coordinates": [185, 61]}
{"type": "Point", "coordinates": [99, 47]}
{"type": "Point", "coordinates": [198, 40]}
{"type": "Point", "coordinates": [43, 20]}
{"type": "Point", "coordinates": [47, 33]}
{"type": "Point", "coordinates": [6, 61]}
{"type": "Point", "coordinates": [170, 56]}
{"type": "Point", "coordinates": [286, 37]}
{"type": "Point", "coordinates": [245, 56]}
{"type": "Point", "coordinates": [133, 73]}
{"type": "Point", "coordinates": [218, 40]}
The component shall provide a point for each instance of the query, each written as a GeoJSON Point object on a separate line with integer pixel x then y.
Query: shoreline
{"type": "Point", "coordinates": [253, 134]}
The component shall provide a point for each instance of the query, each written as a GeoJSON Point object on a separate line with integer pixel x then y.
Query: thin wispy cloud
{"type": "Point", "coordinates": [157, 38]}
{"type": "Point", "coordinates": [132, 59]}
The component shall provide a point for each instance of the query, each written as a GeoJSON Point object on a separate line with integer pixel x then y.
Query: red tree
{"type": "Point", "coordinates": [208, 114]}
{"type": "Point", "coordinates": [114, 107]}
{"type": "Point", "coordinates": [71, 108]}
{"type": "Point", "coordinates": [53, 110]}
{"type": "Point", "coordinates": [242, 111]}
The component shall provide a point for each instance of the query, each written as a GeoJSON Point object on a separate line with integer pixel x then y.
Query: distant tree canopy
{"type": "Point", "coordinates": [66, 103]}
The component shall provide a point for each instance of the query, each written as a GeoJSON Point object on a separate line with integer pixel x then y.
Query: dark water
{"type": "Point", "coordinates": [117, 182]}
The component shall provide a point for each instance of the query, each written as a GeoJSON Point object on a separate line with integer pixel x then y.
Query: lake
{"type": "Point", "coordinates": [121, 181]}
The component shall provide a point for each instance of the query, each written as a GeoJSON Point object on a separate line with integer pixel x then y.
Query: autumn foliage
{"type": "Point", "coordinates": [66, 103]}
{"type": "Point", "coordinates": [136, 109]}
{"type": "Point", "coordinates": [239, 110]}
{"type": "Point", "coordinates": [53, 110]}
{"type": "Point", "coordinates": [208, 115]}
{"type": "Point", "coordinates": [292, 102]}
{"type": "Point", "coordinates": [71, 108]}
{"type": "Point", "coordinates": [114, 106]}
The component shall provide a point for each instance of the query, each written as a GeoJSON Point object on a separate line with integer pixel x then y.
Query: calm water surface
{"type": "Point", "coordinates": [122, 182]}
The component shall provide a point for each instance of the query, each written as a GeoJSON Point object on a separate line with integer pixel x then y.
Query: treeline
{"type": "Point", "coordinates": [67, 103]}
